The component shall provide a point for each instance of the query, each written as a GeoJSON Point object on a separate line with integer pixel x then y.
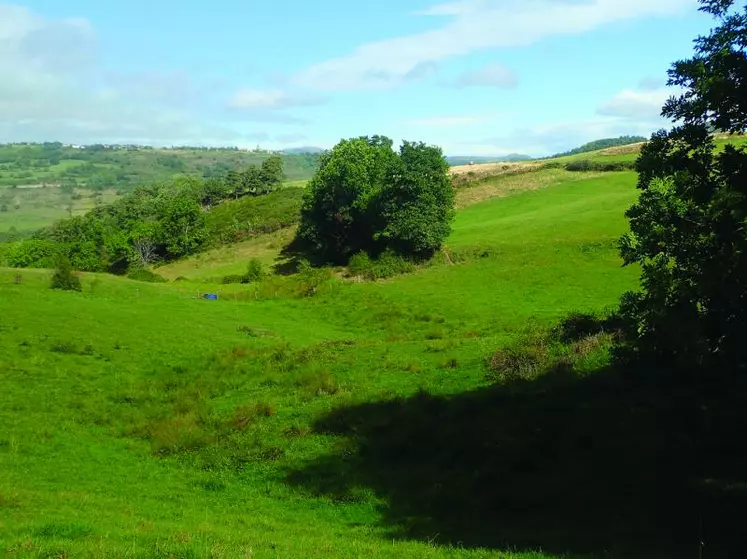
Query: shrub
{"type": "Point", "coordinates": [387, 265]}
{"type": "Point", "coordinates": [518, 362]}
{"type": "Point", "coordinates": [310, 279]}
{"type": "Point", "coordinates": [359, 264]}
{"type": "Point", "coordinates": [64, 278]}
{"type": "Point", "coordinates": [583, 165]}
{"type": "Point", "coordinates": [143, 274]}
{"type": "Point", "coordinates": [233, 278]}
{"type": "Point", "coordinates": [34, 253]}
{"type": "Point", "coordinates": [254, 272]}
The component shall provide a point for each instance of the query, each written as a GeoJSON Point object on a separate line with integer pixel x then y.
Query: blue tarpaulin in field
{"type": "Point", "coordinates": [211, 296]}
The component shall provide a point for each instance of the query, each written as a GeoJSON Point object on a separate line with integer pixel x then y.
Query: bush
{"type": "Point", "coordinates": [233, 278]}
{"type": "Point", "coordinates": [254, 272]}
{"type": "Point", "coordinates": [522, 362]}
{"type": "Point", "coordinates": [387, 265]}
{"type": "Point", "coordinates": [34, 253]}
{"type": "Point", "coordinates": [359, 264]}
{"type": "Point", "coordinates": [310, 279]}
{"type": "Point", "coordinates": [584, 165]}
{"type": "Point", "coordinates": [64, 278]}
{"type": "Point", "coordinates": [143, 274]}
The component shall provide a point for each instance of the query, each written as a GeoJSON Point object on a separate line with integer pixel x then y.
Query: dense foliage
{"type": "Point", "coordinates": [154, 223]}
{"type": "Point", "coordinates": [603, 144]}
{"type": "Point", "coordinates": [367, 197]}
{"type": "Point", "coordinates": [689, 227]}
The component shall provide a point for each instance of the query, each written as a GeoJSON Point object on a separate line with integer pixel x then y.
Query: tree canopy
{"type": "Point", "coordinates": [368, 198]}
{"type": "Point", "coordinates": [689, 226]}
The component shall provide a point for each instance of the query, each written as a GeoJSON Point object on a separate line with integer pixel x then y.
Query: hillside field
{"type": "Point", "coordinates": [142, 421]}
{"type": "Point", "coordinates": [317, 415]}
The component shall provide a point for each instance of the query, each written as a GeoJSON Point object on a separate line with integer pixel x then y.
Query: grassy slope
{"type": "Point", "coordinates": [39, 207]}
{"type": "Point", "coordinates": [96, 383]}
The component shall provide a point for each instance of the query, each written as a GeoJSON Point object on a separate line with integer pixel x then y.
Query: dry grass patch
{"type": "Point", "coordinates": [511, 184]}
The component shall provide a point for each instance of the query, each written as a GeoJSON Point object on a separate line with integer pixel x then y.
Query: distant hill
{"type": "Point", "coordinates": [304, 149]}
{"type": "Point", "coordinates": [466, 159]}
{"type": "Point", "coordinates": [602, 144]}
{"type": "Point", "coordinates": [121, 167]}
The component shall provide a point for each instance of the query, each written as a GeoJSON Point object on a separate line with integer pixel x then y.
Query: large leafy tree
{"type": "Point", "coordinates": [338, 213]}
{"type": "Point", "coordinates": [689, 226]}
{"type": "Point", "coordinates": [417, 204]}
{"type": "Point", "coordinates": [182, 226]}
{"type": "Point", "coordinates": [367, 197]}
{"type": "Point", "coordinates": [271, 174]}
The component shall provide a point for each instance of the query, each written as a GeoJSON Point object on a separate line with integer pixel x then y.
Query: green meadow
{"type": "Point", "coordinates": [142, 421]}
{"type": "Point", "coordinates": [317, 415]}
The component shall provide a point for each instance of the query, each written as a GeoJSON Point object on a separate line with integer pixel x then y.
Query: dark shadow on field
{"type": "Point", "coordinates": [603, 465]}
{"type": "Point", "coordinates": [290, 257]}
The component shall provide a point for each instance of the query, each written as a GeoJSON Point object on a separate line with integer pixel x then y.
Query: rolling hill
{"type": "Point", "coordinates": [432, 414]}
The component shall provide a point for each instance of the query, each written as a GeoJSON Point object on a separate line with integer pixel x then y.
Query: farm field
{"type": "Point", "coordinates": [315, 414]}
{"type": "Point", "coordinates": [142, 421]}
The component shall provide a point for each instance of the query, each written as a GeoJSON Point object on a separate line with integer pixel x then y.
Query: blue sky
{"type": "Point", "coordinates": [477, 77]}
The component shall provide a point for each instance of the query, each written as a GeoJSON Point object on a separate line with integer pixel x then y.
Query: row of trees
{"type": "Point", "coordinates": [154, 223]}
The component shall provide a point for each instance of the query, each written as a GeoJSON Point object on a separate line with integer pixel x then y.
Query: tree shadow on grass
{"type": "Point", "coordinates": [601, 465]}
{"type": "Point", "coordinates": [290, 257]}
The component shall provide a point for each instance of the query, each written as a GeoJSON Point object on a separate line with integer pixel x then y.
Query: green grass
{"type": "Point", "coordinates": [235, 220]}
{"type": "Point", "coordinates": [140, 420]}
{"type": "Point", "coordinates": [29, 209]}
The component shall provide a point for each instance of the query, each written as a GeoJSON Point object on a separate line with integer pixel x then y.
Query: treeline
{"type": "Point", "coordinates": [602, 144]}
{"type": "Point", "coordinates": [154, 223]}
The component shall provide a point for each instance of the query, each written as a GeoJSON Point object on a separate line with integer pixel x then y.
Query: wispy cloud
{"type": "Point", "coordinates": [561, 136]}
{"type": "Point", "coordinates": [271, 99]}
{"type": "Point", "coordinates": [644, 104]}
{"type": "Point", "coordinates": [492, 75]}
{"type": "Point", "coordinates": [473, 25]}
{"type": "Point", "coordinates": [452, 120]}
{"type": "Point", "coordinates": [55, 87]}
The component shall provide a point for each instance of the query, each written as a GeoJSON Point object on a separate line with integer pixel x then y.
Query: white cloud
{"type": "Point", "coordinates": [492, 75]}
{"type": "Point", "coordinates": [271, 99]}
{"type": "Point", "coordinates": [474, 25]}
{"type": "Point", "coordinates": [558, 137]}
{"type": "Point", "coordinates": [637, 104]}
{"type": "Point", "coordinates": [54, 87]}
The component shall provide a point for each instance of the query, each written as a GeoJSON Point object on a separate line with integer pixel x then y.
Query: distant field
{"type": "Point", "coordinates": [28, 209]}
{"type": "Point", "coordinates": [123, 169]}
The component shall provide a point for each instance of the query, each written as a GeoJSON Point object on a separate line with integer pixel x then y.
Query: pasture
{"type": "Point", "coordinates": [433, 414]}
{"type": "Point", "coordinates": [143, 421]}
